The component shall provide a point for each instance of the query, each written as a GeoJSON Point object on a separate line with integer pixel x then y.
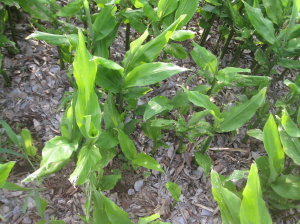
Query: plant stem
{"type": "Point", "coordinates": [61, 60]}
{"type": "Point", "coordinates": [218, 42]}
{"type": "Point", "coordinates": [12, 26]}
{"type": "Point", "coordinates": [89, 19]}
{"type": "Point", "coordinates": [127, 40]}
{"type": "Point", "coordinates": [6, 78]}
{"type": "Point", "coordinates": [207, 30]}
{"type": "Point", "coordinates": [237, 55]}
{"type": "Point", "coordinates": [224, 50]}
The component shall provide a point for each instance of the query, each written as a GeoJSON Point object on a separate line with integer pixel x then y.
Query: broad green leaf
{"type": "Point", "coordinates": [157, 105]}
{"type": "Point", "coordinates": [71, 9]}
{"type": "Point", "coordinates": [148, 219]}
{"type": "Point", "coordinates": [288, 63]}
{"type": "Point", "coordinates": [234, 10]}
{"type": "Point", "coordinates": [166, 7]}
{"type": "Point", "coordinates": [88, 158]}
{"type": "Point", "coordinates": [40, 204]}
{"type": "Point", "coordinates": [151, 73]}
{"type": "Point", "coordinates": [204, 59]}
{"type": "Point", "coordinates": [263, 26]}
{"type": "Point", "coordinates": [108, 63]}
{"type": "Point", "coordinates": [151, 50]}
{"type": "Point", "coordinates": [87, 109]}
{"type": "Point", "coordinates": [144, 160]}
{"type": "Point", "coordinates": [127, 145]}
{"type": "Point", "coordinates": [99, 213]}
{"type": "Point", "coordinates": [253, 201]}
{"type": "Point", "coordinates": [162, 123]}
{"type": "Point", "coordinates": [287, 186]}
{"type": "Point", "coordinates": [240, 114]}
{"type": "Point", "coordinates": [291, 146]}
{"type": "Point", "coordinates": [256, 133]}
{"type": "Point", "coordinates": [56, 153]}
{"type": "Point", "coordinates": [104, 23]}
{"type": "Point", "coordinates": [176, 50]}
{"type": "Point", "coordinates": [174, 190]}
{"type": "Point", "coordinates": [204, 161]}
{"type": "Point", "coordinates": [186, 7]}
{"type": "Point", "coordinates": [293, 86]}
{"type": "Point", "coordinates": [182, 35]}
{"type": "Point", "coordinates": [274, 10]}
{"type": "Point", "coordinates": [114, 213]}
{"type": "Point", "coordinates": [273, 148]}
{"type": "Point", "coordinates": [201, 100]}
{"type": "Point", "coordinates": [40, 9]}
{"type": "Point", "coordinates": [111, 116]}
{"type": "Point", "coordinates": [109, 79]}
{"type": "Point", "coordinates": [108, 182]}
{"type": "Point", "coordinates": [230, 77]}
{"type": "Point", "coordinates": [30, 150]}
{"type": "Point", "coordinates": [135, 18]}
{"type": "Point", "coordinates": [11, 134]}
{"type": "Point", "coordinates": [197, 117]}
{"type": "Point", "coordinates": [228, 202]}
{"type": "Point", "coordinates": [263, 166]}
{"type": "Point", "coordinates": [55, 39]}
{"type": "Point", "coordinates": [5, 169]}
{"type": "Point", "coordinates": [289, 126]}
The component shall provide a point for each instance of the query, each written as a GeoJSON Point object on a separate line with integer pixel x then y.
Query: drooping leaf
{"type": "Point", "coordinates": [56, 153]}
{"type": "Point", "coordinates": [263, 26]}
{"type": "Point", "coordinates": [253, 201]}
{"type": "Point", "coordinates": [204, 161]}
{"type": "Point", "coordinates": [228, 202]}
{"type": "Point", "coordinates": [186, 7]}
{"type": "Point", "coordinates": [240, 114]}
{"type": "Point", "coordinates": [256, 133]}
{"type": "Point", "coordinates": [166, 7]}
{"type": "Point", "coordinates": [70, 9]}
{"type": "Point", "coordinates": [5, 169]}
{"type": "Point", "coordinates": [273, 147]}
{"type": "Point", "coordinates": [289, 126]}
{"type": "Point", "coordinates": [157, 105]}
{"type": "Point", "coordinates": [55, 39]}
{"type": "Point", "coordinates": [127, 145]}
{"type": "Point", "coordinates": [204, 59]}
{"type": "Point", "coordinates": [151, 73]}
{"type": "Point", "coordinates": [287, 186]}
{"type": "Point", "coordinates": [174, 190]}
{"type": "Point", "coordinates": [88, 158]}
{"type": "Point", "coordinates": [182, 35]}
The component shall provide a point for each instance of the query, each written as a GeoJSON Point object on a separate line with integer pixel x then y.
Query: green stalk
{"type": "Point", "coordinates": [89, 19]}
{"type": "Point", "coordinates": [127, 38]}
{"type": "Point", "coordinates": [224, 50]}
{"type": "Point", "coordinates": [237, 55]}
{"type": "Point", "coordinates": [6, 78]}
{"type": "Point", "coordinates": [207, 30]}
{"type": "Point", "coordinates": [12, 26]}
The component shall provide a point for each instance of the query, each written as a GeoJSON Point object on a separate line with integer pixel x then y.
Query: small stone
{"type": "Point", "coordinates": [131, 191]}
{"type": "Point", "coordinates": [55, 69]}
{"type": "Point", "coordinates": [30, 203]}
{"type": "Point", "coordinates": [26, 220]}
{"type": "Point", "coordinates": [205, 212]}
{"type": "Point", "coordinates": [138, 185]}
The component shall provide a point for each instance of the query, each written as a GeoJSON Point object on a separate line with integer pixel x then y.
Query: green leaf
{"type": "Point", "coordinates": [204, 59]}
{"type": "Point", "coordinates": [88, 158]}
{"type": "Point", "coordinates": [263, 26]}
{"type": "Point", "coordinates": [11, 134]}
{"type": "Point", "coordinates": [56, 153]}
{"type": "Point", "coordinates": [228, 202]}
{"type": "Point", "coordinates": [40, 204]}
{"type": "Point", "coordinates": [253, 201]}
{"type": "Point", "coordinates": [87, 109]}
{"type": "Point", "coordinates": [114, 213]}
{"type": "Point", "coordinates": [186, 7]}
{"type": "Point", "coordinates": [204, 161]}
{"type": "Point", "coordinates": [71, 9]}
{"type": "Point", "coordinates": [166, 7]}
{"type": "Point", "coordinates": [108, 182]}
{"type": "Point", "coordinates": [106, 63]}
{"type": "Point", "coordinates": [30, 150]}
{"type": "Point", "coordinates": [240, 114]}
{"type": "Point", "coordinates": [174, 190]}
{"type": "Point", "coordinates": [176, 50]}
{"type": "Point", "coordinates": [12, 152]}
{"type": "Point", "coordinates": [112, 118]}
{"type": "Point", "coordinates": [157, 105]}
{"type": "Point", "coordinates": [148, 219]}
{"type": "Point", "coordinates": [151, 73]}
{"type": "Point", "coordinates": [182, 35]}
{"type": "Point", "coordinates": [5, 169]}
{"type": "Point", "coordinates": [144, 160]}
{"type": "Point", "coordinates": [104, 23]}
{"type": "Point", "coordinates": [256, 133]}
{"type": "Point", "coordinates": [289, 126]}
{"type": "Point", "coordinates": [274, 10]}
{"type": "Point", "coordinates": [127, 145]}
{"type": "Point", "coordinates": [288, 63]}
{"type": "Point", "coordinates": [291, 146]}
{"type": "Point", "coordinates": [162, 123]}
{"type": "Point", "coordinates": [14, 187]}
{"type": "Point", "coordinates": [293, 86]}
{"type": "Point", "coordinates": [201, 100]}
{"type": "Point", "coordinates": [273, 147]}
{"type": "Point", "coordinates": [139, 54]}
{"type": "Point", "coordinates": [287, 186]}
